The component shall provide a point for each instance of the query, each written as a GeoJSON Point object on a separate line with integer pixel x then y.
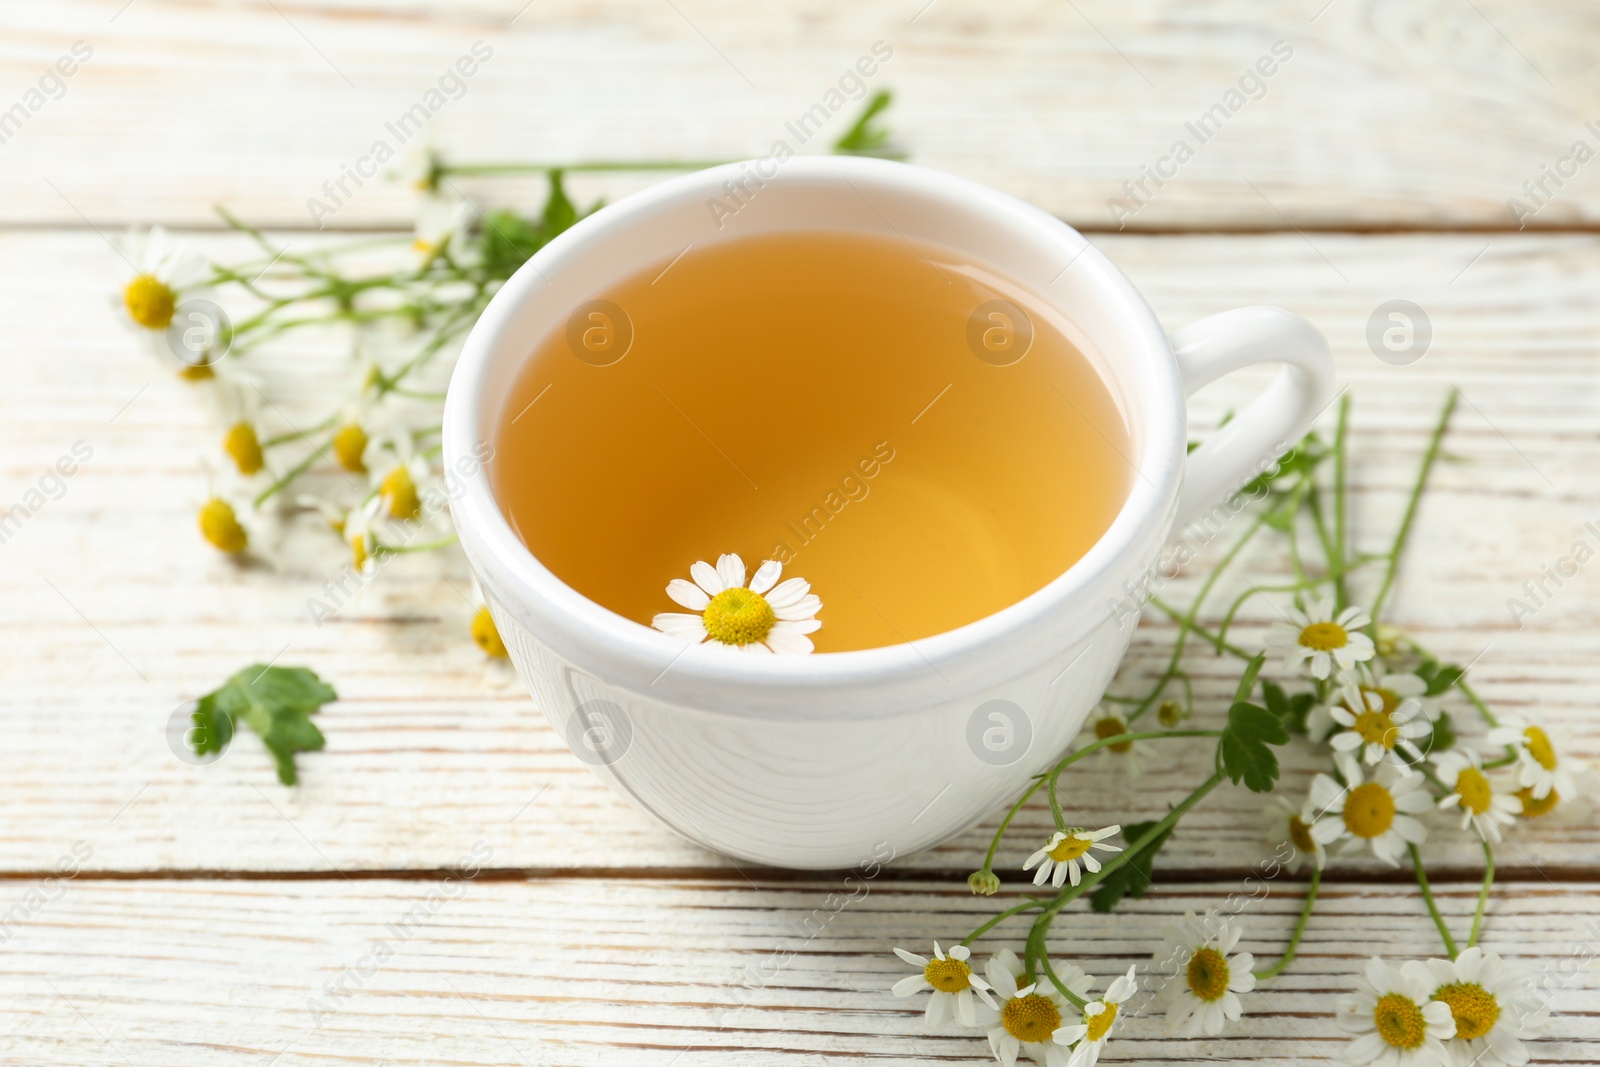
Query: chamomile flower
{"type": "Point", "coordinates": [1379, 813]}
{"type": "Point", "coordinates": [359, 532]}
{"type": "Point", "coordinates": [443, 225]}
{"type": "Point", "coordinates": [1395, 1019]}
{"type": "Point", "coordinates": [1028, 1017]}
{"type": "Point", "coordinates": [1399, 687]}
{"type": "Point", "coordinates": [220, 526]}
{"type": "Point", "coordinates": [1206, 991]}
{"type": "Point", "coordinates": [1376, 725]}
{"type": "Point", "coordinates": [1289, 823]}
{"type": "Point", "coordinates": [1099, 1016]}
{"type": "Point", "coordinates": [1482, 807]}
{"type": "Point", "coordinates": [1321, 640]}
{"type": "Point", "coordinates": [1540, 769]}
{"type": "Point", "coordinates": [486, 635]}
{"type": "Point", "coordinates": [1490, 1006]}
{"type": "Point", "coordinates": [405, 484]}
{"type": "Point", "coordinates": [1126, 756]}
{"type": "Point", "coordinates": [955, 987]}
{"type": "Point", "coordinates": [764, 616]}
{"type": "Point", "coordinates": [161, 270]}
{"type": "Point", "coordinates": [1059, 858]}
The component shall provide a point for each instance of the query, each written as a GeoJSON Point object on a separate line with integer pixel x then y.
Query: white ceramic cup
{"type": "Point", "coordinates": [832, 759]}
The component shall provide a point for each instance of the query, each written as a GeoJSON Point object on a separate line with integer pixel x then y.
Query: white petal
{"type": "Point", "coordinates": [911, 957]}
{"type": "Point", "coordinates": [938, 1006]}
{"type": "Point", "coordinates": [811, 626]}
{"type": "Point", "coordinates": [788, 591]}
{"type": "Point", "coordinates": [691, 627]}
{"type": "Point", "coordinates": [688, 594]}
{"type": "Point", "coordinates": [705, 576]}
{"type": "Point", "coordinates": [766, 576]}
{"type": "Point", "coordinates": [755, 648]}
{"type": "Point", "coordinates": [804, 608]}
{"type": "Point", "coordinates": [730, 568]}
{"type": "Point", "coordinates": [789, 643]}
{"type": "Point", "coordinates": [910, 985]}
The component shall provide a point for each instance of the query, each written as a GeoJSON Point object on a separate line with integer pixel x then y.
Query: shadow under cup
{"type": "Point", "coordinates": [842, 758]}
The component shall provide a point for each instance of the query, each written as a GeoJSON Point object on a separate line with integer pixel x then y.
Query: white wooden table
{"type": "Point", "coordinates": [213, 909]}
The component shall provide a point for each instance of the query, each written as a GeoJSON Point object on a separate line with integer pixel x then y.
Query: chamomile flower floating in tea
{"type": "Point", "coordinates": [764, 616]}
{"type": "Point", "coordinates": [1491, 1006]}
{"type": "Point", "coordinates": [1482, 807]}
{"type": "Point", "coordinates": [949, 975]}
{"type": "Point", "coordinates": [1396, 1021]}
{"type": "Point", "coordinates": [1205, 991]}
{"type": "Point", "coordinates": [1321, 640]}
{"type": "Point", "coordinates": [1059, 858]}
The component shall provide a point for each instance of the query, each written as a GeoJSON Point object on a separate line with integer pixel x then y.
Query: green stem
{"type": "Point", "coordinates": [478, 170]}
{"type": "Point", "coordinates": [1187, 623]}
{"type": "Point", "coordinates": [1106, 742]}
{"type": "Point", "coordinates": [1341, 503]}
{"type": "Point", "coordinates": [1483, 894]}
{"type": "Point", "coordinates": [1299, 930]}
{"type": "Point", "coordinates": [293, 472]}
{"type": "Point", "coordinates": [1210, 638]}
{"type": "Point", "coordinates": [1404, 532]}
{"type": "Point", "coordinates": [1026, 905]}
{"type": "Point", "coordinates": [1061, 987]}
{"type": "Point", "coordinates": [1433, 908]}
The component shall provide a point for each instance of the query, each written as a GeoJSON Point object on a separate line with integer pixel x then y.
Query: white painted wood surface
{"type": "Point", "coordinates": [1426, 113]}
{"type": "Point", "coordinates": [596, 937]}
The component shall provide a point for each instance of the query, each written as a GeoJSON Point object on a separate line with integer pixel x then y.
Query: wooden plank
{"type": "Point", "coordinates": [1384, 115]}
{"type": "Point", "coordinates": [688, 973]}
{"type": "Point", "coordinates": [119, 613]}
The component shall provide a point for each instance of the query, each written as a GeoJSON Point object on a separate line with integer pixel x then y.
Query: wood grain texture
{"type": "Point", "coordinates": [1431, 113]}
{"type": "Point", "coordinates": [121, 613]}
{"type": "Point", "coordinates": [692, 973]}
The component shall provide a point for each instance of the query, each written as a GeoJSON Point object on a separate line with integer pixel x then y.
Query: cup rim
{"type": "Point", "coordinates": [695, 674]}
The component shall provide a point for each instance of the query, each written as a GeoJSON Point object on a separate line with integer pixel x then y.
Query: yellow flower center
{"type": "Point", "coordinates": [1324, 636]}
{"type": "Point", "coordinates": [1030, 1018]}
{"type": "Point", "coordinates": [1399, 1021]}
{"type": "Point", "coordinates": [739, 617]}
{"type": "Point", "coordinates": [487, 635]}
{"type": "Point", "coordinates": [1300, 834]}
{"type": "Point", "coordinates": [242, 444]}
{"type": "Point", "coordinates": [1169, 713]}
{"type": "Point", "coordinates": [349, 445]}
{"type": "Point", "coordinates": [1208, 974]}
{"type": "Point", "coordinates": [1540, 748]}
{"type": "Point", "coordinates": [1111, 726]}
{"type": "Point", "coordinates": [1376, 728]}
{"type": "Point", "coordinates": [947, 975]}
{"type": "Point", "coordinates": [1070, 848]}
{"type": "Point", "coordinates": [1533, 806]}
{"type": "Point", "coordinates": [196, 372]}
{"type": "Point", "coordinates": [220, 526]}
{"type": "Point", "coordinates": [358, 551]}
{"type": "Point", "coordinates": [399, 494]}
{"type": "Point", "coordinates": [1100, 1024]}
{"type": "Point", "coordinates": [150, 301]}
{"type": "Point", "coordinates": [1391, 699]}
{"type": "Point", "coordinates": [1369, 810]}
{"type": "Point", "coordinates": [1475, 1008]}
{"type": "Point", "coordinates": [1472, 785]}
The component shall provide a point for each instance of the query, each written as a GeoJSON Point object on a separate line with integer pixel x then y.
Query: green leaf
{"type": "Point", "coordinates": [275, 702]}
{"type": "Point", "coordinates": [1439, 676]}
{"type": "Point", "coordinates": [865, 139]}
{"type": "Point", "coordinates": [1246, 755]}
{"type": "Point", "coordinates": [1289, 710]}
{"type": "Point", "coordinates": [1133, 877]}
{"type": "Point", "coordinates": [558, 210]}
{"type": "Point", "coordinates": [1441, 738]}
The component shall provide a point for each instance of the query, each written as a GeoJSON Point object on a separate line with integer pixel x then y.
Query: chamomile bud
{"type": "Point", "coordinates": [487, 636]}
{"type": "Point", "coordinates": [985, 883]}
{"type": "Point", "coordinates": [399, 494]}
{"type": "Point", "coordinates": [244, 447]}
{"type": "Point", "coordinates": [219, 525]}
{"type": "Point", "coordinates": [350, 447]}
{"type": "Point", "coordinates": [1170, 713]}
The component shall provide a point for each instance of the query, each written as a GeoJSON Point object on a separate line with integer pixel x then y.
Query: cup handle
{"type": "Point", "coordinates": [1273, 422]}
